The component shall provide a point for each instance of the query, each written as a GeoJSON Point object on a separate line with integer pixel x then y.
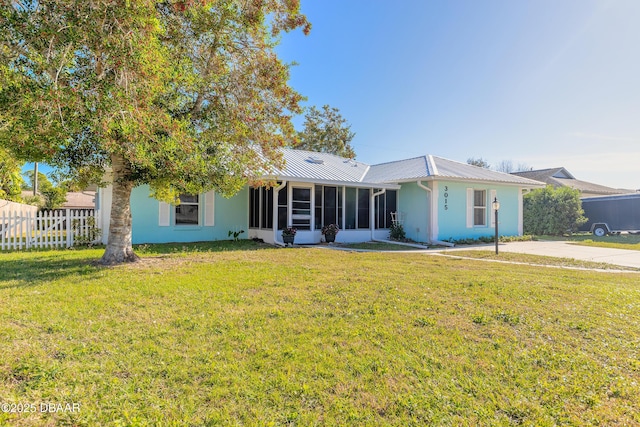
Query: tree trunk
{"type": "Point", "coordinates": [119, 247]}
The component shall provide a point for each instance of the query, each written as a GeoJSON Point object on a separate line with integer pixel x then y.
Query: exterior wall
{"type": "Point", "coordinates": [103, 210]}
{"type": "Point", "coordinates": [413, 203]}
{"type": "Point", "coordinates": [8, 207]}
{"type": "Point", "coordinates": [452, 210]}
{"type": "Point", "coordinates": [229, 214]}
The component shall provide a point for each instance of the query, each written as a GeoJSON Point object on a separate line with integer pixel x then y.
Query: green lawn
{"type": "Point", "coordinates": [622, 241]}
{"type": "Point", "coordinates": [217, 336]}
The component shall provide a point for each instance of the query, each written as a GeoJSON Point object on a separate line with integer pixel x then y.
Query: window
{"type": "Point", "coordinates": [363, 207]}
{"type": "Point", "coordinates": [351, 197]}
{"type": "Point", "coordinates": [301, 208]}
{"type": "Point", "coordinates": [261, 208]}
{"type": "Point", "coordinates": [187, 212]}
{"type": "Point", "coordinates": [328, 206]}
{"type": "Point", "coordinates": [254, 208]}
{"type": "Point", "coordinates": [385, 204]}
{"type": "Point", "coordinates": [479, 207]}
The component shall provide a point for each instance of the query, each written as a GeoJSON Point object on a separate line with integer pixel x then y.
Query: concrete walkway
{"type": "Point", "coordinates": [623, 257]}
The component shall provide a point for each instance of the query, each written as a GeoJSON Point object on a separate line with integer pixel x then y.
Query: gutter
{"type": "Point", "coordinates": [429, 227]}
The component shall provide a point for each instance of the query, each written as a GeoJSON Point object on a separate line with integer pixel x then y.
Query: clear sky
{"type": "Point", "coordinates": [545, 83]}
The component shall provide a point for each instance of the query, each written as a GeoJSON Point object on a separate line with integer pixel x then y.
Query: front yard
{"type": "Point", "coordinates": [251, 335]}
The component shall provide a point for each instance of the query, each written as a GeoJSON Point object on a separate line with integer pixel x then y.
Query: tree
{"type": "Point", "coordinates": [505, 166]}
{"type": "Point", "coordinates": [185, 96]}
{"type": "Point", "coordinates": [54, 195]}
{"type": "Point", "coordinates": [552, 211]}
{"type": "Point", "coordinates": [326, 131]}
{"type": "Point", "coordinates": [480, 162]}
{"type": "Point", "coordinates": [10, 177]}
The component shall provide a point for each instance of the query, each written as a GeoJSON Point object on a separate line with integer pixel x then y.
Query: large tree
{"type": "Point", "coordinates": [326, 131]}
{"type": "Point", "coordinates": [185, 96]}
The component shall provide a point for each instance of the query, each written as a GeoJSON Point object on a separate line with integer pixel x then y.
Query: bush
{"type": "Point", "coordinates": [396, 232]}
{"type": "Point", "coordinates": [552, 211]}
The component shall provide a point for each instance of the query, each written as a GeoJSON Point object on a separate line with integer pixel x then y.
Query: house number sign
{"type": "Point", "coordinates": [446, 198]}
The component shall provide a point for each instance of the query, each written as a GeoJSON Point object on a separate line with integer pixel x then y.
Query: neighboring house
{"type": "Point", "coordinates": [80, 200]}
{"type": "Point", "coordinates": [560, 177]}
{"type": "Point", "coordinates": [436, 199]}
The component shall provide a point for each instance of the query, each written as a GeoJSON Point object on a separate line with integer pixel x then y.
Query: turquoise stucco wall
{"type": "Point", "coordinates": [452, 215]}
{"type": "Point", "coordinates": [413, 203]}
{"type": "Point", "coordinates": [230, 214]}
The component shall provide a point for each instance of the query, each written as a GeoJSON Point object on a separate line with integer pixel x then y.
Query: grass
{"type": "Point", "coordinates": [305, 337]}
{"type": "Point", "coordinates": [381, 246]}
{"type": "Point", "coordinates": [538, 260]}
{"type": "Point", "coordinates": [622, 241]}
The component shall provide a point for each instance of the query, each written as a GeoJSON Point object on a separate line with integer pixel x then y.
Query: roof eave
{"type": "Point", "coordinates": [359, 184]}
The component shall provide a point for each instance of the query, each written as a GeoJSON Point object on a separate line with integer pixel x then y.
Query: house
{"type": "Point", "coordinates": [560, 177]}
{"type": "Point", "coordinates": [81, 200]}
{"type": "Point", "coordinates": [435, 199]}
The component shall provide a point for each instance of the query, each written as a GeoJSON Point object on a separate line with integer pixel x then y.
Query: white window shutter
{"type": "Point", "coordinates": [209, 214]}
{"type": "Point", "coordinates": [494, 195]}
{"type": "Point", "coordinates": [164, 214]}
{"type": "Point", "coordinates": [469, 207]}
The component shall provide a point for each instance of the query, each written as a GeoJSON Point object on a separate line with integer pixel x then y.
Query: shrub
{"type": "Point", "coordinates": [396, 232]}
{"type": "Point", "coordinates": [552, 211]}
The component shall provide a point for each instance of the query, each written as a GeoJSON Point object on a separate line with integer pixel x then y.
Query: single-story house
{"type": "Point", "coordinates": [435, 199]}
{"type": "Point", "coordinates": [560, 177]}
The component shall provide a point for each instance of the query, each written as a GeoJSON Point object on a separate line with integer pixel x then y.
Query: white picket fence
{"type": "Point", "coordinates": [47, 229]}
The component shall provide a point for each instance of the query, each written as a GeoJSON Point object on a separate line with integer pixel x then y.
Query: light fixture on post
{"type": "Point", "coordinates": [496, 207]}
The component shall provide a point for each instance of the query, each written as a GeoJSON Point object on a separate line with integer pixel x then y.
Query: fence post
{"type": "Point", "coordinates": [29, 231]}
{"type": "Point", "coordinates": [69, 229]}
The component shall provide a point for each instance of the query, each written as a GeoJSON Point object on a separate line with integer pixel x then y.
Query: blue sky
{"type": "Point", "coordinates": [544, 83]}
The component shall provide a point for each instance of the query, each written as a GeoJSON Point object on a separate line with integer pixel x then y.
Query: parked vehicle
{"type": "Point", "coordinates": [612, 214]}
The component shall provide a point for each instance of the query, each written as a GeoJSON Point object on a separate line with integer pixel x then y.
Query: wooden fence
{"type": "Point", "coordinates": [48, 229]}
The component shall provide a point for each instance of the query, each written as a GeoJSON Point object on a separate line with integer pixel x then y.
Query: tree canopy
{"type": "Point", "coordinates": [53, 196]}
{"type": "Point", "coordinates": [10, 177]}
{"type": "Point", "coordinates": [185, 96]}
{"type": "Point", "coordinates": [326, 131]}
{"type": "Point", "coordinates": [480, 162]}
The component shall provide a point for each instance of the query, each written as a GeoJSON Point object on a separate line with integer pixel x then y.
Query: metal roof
{"type": "Point", "coordinates": [457, 170]}
{"type": "Point", "coordinates": [322, 167]}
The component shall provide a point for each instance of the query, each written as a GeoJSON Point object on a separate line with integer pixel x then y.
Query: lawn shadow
{"type": "Point", "coordinates": [32, 271]}
{"type": "Point", "coordinates": [201, 247]}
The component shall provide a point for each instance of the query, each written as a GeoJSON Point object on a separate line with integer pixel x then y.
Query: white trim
{"type": "Point", "coordinates": [209, 209]}
{"type": "Point", "coordinates": [520, 213]}
{"type": "Point", "coordinates": [328, 182]}
{"type": "Point", "coordinates": [164, 214]}
{"type": "Point", "coordinates": [470, 206]}
{"type": "Point", "coordinates": [434, 230]}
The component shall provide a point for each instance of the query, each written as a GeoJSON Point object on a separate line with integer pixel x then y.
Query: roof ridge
{"type": "Point", "coordinates": [401, 160]}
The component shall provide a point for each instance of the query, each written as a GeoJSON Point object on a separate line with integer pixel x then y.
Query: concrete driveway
{"type": "Point", "coordinates": [623, 257]}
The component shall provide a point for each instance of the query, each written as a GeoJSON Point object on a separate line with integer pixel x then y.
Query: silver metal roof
{"type": "Point", "coordinates": [322, 167]}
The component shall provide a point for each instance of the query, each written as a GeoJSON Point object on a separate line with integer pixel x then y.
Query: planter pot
{"type": "Point", "coordinates": [330, 237]}
{"type": "Point", "coordinates": [288, 239]}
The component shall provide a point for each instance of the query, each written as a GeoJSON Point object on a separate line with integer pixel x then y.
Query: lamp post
{"type": "Point", "coordinates": [496, 206]}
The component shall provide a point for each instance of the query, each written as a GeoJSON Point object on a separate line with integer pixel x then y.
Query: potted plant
{"type": "Point", "coordinates": [288, 235]}
{"type": "Point", "coordinates": [329, 232]}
